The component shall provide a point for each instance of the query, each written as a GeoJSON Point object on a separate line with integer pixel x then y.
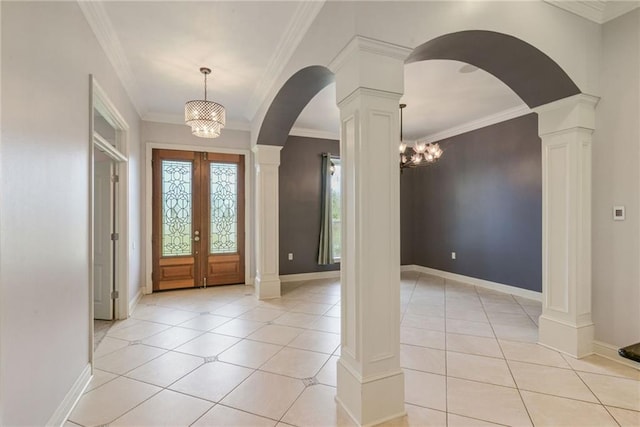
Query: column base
{"type": "Point", "coordinates": [576, 341]}
{"type": "Point", "coordinates": [267, 287]}
{"type": "Point", "coordinates": [371, 402]}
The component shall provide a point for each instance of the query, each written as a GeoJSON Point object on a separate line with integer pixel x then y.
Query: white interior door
{"type": "Point", "coordinates": [103, 269]}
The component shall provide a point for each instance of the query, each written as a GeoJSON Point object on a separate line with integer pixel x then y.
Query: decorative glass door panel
{"type": "Point", "coordinates": [224, 208]}
{"type": "Point", "coordinates": [177, 205]}
{"type": "Point", "coordinates": [198, 219]}
{"type": "Point", "coordinates": [225, 212]}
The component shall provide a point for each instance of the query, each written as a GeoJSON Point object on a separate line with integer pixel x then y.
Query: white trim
{"type": "Point", "coordinates": [493, 119]}
{"type": "Point", "coordinates": [100, 24]}
{"type": "Point", "coordinates": [599, 11]}
{"type": "Point", "coordinates": [178, 119]}
{"type": "Point", "coordinates": [313, 133]}
{"type": "Point", "coordinates": [591, 10]}
{"type": "Point", "coordinates": [302, 18]}
{"type": "Point", "coordinates": [302, 277]}
{"type": "Point", "coordinates": [147, 285]}
{"type": "Point", "coordinates": [366, 44]}
{"type": "Point", "coordinates": [509, 289]}
{"type": "Point", "coordinates": [69, 402]}
{"type": "Point", "coordinates": [133, 302]}
{"type": "Point", "coordinates": [108, 149]}
{"type": "Point", "coordinates": [615, 9]}
{"type": "Point", "coordinates": [100, 100]}
{"type": "Point", "coordinates": [611, 352]}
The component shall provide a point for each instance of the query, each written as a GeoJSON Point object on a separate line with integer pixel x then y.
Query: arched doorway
{"type": "Point", "coordinates": [369, 79]}
{"type": "Point", "coordinates": [290, 100]}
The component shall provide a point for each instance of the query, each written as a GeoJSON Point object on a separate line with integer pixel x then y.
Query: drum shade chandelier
{"type": "Point", "coordinates": [206, 118]}
{"type": "Point", "coordinates": [421, 154]}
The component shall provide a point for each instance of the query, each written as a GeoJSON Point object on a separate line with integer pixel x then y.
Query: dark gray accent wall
{"type": "Point", "coordinates": [530, 73]}
{"type": "Point", "coordinates": [300, 203]}
{"type": "Point", "coordinates": [289, 102]}
{"type": "Point", "coordinates": [406, 216]}
{"type": "Point", "coordinates": [482, 200]}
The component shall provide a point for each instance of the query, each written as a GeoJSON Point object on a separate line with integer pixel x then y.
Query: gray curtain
{"type": "Point", "coordinates": [325, 249]}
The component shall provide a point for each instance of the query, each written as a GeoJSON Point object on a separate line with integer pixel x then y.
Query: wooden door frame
{"type": "Point", "coordinates": [148, 216]}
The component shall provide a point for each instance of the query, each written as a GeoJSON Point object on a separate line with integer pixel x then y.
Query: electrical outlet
{"type": "Point", "coordinates": [290, 256]}
{"type": "Point", "coordinates": [453, 255]}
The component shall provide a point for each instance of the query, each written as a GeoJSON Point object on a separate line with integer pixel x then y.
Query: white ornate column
{"type": "Point", "coordinates": [267, 281]}
{"type": "Point", "coordinates": [566, 128]}
{"type": "Point", "coordinates": [369, 83]}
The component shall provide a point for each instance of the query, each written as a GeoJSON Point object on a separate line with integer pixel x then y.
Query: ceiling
{"type": "Point", "coordinates": [247, 44]}
{"type": "Point", "coordinates": [439, 97]}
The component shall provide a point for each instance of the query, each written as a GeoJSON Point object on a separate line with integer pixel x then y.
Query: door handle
{"type": "Point", "coordinates": [197, 236]}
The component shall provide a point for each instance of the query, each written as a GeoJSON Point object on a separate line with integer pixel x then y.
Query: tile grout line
{"type": "Point", "coordinates": [506, 363]}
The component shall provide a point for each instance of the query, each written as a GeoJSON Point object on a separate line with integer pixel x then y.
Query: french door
{"type": "Point", "coordinates": [198, 219]}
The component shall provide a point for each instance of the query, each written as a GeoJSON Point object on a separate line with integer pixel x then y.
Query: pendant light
{"type": "Point", "coordinates": [206, 118]}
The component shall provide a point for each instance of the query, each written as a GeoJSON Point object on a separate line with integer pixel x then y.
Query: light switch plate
{"type": "Point", "coordinates": [618, 213]}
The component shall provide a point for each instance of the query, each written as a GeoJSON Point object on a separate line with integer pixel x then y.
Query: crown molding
{"type": "Point", "coordinates": [299, 24]}
{"type": "Point", "coordinates": [177, 119]}
{"type": "Point", "coordinates": [598, 11]}
{"type": "Point", "coordinates": [100, 24]}
{"type": "Point", "coordinates": [314, 133]}
{"type": "Point", "coordinates": [618, 8]}
{"type": "Point", "coordinates": [500, 117]}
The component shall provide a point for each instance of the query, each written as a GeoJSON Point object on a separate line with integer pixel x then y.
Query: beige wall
{"type": "Point", "coordinates": [616, 181]}
{"type": "Point", "coordinates": [48, 52]}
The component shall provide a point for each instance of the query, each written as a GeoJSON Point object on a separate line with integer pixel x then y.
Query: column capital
{"type": "Point", "coordinates": [267, 154]}
{"type": "Point", "coordinates": [370, 63]}
{"type": "Point", "coordinates": [577, 111]}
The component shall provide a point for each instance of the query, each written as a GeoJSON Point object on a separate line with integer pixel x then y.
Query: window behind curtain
{"type": "Point", "coordinates": [336, 222]}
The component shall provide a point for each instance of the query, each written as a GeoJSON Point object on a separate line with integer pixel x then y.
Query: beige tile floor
{"type": "Point", "coordinates": [219, 357]}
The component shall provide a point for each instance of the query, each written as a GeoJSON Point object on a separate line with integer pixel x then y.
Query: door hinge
{"type": "Point", "coordinates": [115, 178]}
{"type": "Point", "coordinates": [115, 236]}
{"type": "Point", "coordinates": [115, 295]}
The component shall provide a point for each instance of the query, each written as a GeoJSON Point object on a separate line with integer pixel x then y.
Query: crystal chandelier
{"type": "Point", "coordinates": [421, 154]}
{"type": "Point", "coordinates": [206, 118]}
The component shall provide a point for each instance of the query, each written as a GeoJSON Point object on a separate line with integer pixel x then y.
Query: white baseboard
{"type": "Point", "coordinates": [134, 301]}
{"type": "Point", "coordinates": [525, 293]}
{"type": "Point", "coordinates": [309, 276]}
{"type": "Point", "coordinates": [69, 402]}
{"type": "Point", "coordinates": [611, 352]}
